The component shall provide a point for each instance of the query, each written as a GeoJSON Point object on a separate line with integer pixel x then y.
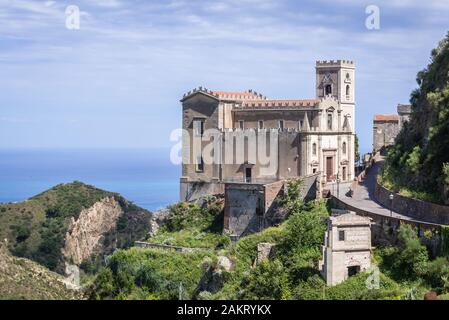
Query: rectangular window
{"type": "Point", "coordinates": [329, 121]}
{"type": "Point", "coordinates": [198, 127]}
{"type": "Point", "coordinates": [261, 126]}
{"type": "Point", "coordinates": [200, 164]}
{"type": "Point", "coordinates": [241, 124]}
{"type": "Point", "coordinates": [281, 124]}
{"type": "Point", "coordinates": [301, 124]}
{"type": "Point", "coordinates": [341, 235]}
{"type": "Point", "coordinates": [248, 175]}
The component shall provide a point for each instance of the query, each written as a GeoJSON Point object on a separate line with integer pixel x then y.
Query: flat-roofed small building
{"type": "Point", "coordinates": [347, 248]}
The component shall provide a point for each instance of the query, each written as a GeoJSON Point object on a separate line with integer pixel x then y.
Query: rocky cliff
{"type": "Point", "coordinates": [85, 233]}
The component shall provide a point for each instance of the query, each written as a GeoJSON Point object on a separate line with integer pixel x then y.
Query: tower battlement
{"type": "Point", "coordinates": [335, 63]}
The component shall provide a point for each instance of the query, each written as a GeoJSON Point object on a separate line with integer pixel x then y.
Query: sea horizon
{"type": "Point", "coordinates": [144, 176]}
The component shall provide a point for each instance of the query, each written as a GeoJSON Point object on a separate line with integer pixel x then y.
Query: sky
{"type": "Point", "coordinates": [116, 81]}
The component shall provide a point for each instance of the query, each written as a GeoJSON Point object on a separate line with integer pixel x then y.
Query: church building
{"type": "Point", "coordinates": [304, 137]}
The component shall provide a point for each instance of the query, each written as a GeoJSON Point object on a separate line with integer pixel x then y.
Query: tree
{"type": "Point", "coordinates": [413, 257]}
{"type": "Point", "coordinates": [356, 149]}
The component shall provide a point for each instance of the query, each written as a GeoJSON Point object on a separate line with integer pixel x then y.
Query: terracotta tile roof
{"type": "Point", "coordinates": [236, 95]}
{"type": "Point", "coordinates": [274, 104]}
{"type": "Point", "coordinates": [386, 117]}
{"type": "Point", "coordinates": [226, 95]}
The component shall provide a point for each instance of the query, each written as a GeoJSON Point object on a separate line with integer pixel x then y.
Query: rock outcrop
{"type": "Point", "coordinates": [85, 233]}
{"type": "Point", "coordinates": [212, 280]}
{"type": "Point", "coordinates": [264, 251]}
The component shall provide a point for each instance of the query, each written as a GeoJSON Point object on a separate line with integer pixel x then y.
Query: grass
{"type": "Point", "coordinates": [192, 226]}
{"type": "Point", "coordinates": [148, 274]}
{"type": "Point", "coordinates": [405, 191]}
{"type": "Point", "coordinates": [22, 279]}
{"type": "Point", "coordinates": [192, 238]}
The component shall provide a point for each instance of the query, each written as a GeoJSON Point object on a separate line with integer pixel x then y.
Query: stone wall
{"type": "Point", "coordinates": [250, 208]}
{"type": "Point", "coordinates": [244, 208]}
{"type": "Point", "coordinates": [309, 188]}
{"type": "Point", "coordinates": [384, 133]}
{"type": "Point", "coordinates": [195, 190]}
{"type": "Point", "coordinates": [384, 229]}
{"type": "Point", "coordinates": [413, 208]}
{"type": "Point", "coordinates": [271, 192]}
{"type": "Point", "coordinates": [147, 245]}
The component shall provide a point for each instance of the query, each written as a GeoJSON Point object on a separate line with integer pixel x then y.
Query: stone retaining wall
{"type": "Point", "coordinates": [384, 229]}
{"type": "Point", "coordinates": [191, 191]}
{"type": "Point", "coordinates": [147, 245]}
{"type": "Point", "coordinates": [250, 208]}
{"type": "Point", "coordinates": [414, 208]}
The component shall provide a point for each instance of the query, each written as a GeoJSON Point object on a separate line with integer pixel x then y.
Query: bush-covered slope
{"type": "Point", "coordinates": [189, 225]}
{"type": "Point", "coordinates": [418, 164]}
{"type": "Point", "coordinates": [37, 228]}
{"type": "Point", "coordinates": [22, 279]}
{"type": "Point", "coordinates": [291, 272]}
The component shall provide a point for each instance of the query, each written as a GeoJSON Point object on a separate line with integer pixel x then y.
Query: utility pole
{"type": "Point", "coordinates": [181, 289]}
{"type": "Point", "coordinates": [391, 204]}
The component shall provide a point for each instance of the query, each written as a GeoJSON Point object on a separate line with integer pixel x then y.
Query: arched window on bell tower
{"type": "Point", "coordinates": [348, 90]}
{"type": "Point", "coordinates": [328, 89]}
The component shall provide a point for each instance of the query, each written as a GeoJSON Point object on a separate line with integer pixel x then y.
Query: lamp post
{"type": "Point", "coordinates": [338, 184]}
{"type": "Point", "coordinates": [391, 204]}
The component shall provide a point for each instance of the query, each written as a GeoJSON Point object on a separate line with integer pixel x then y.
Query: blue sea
{"type": "Point", "coordinates": [143, 176]}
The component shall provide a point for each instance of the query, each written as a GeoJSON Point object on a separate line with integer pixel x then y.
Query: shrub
{"type": "Point", "coordinates": [268, 281]}
{"type": "Point", "coordinates": [311, 289]}
{"type": "Point", "coordinates": [438, 274]}
{"type": "Point", "coordinates": [21, 232]}
{"type": "Point", "coordinates": [149, 274]}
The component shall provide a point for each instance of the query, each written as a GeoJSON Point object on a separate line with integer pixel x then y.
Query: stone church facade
{"type": "Point", "coordinates": [302, 137]}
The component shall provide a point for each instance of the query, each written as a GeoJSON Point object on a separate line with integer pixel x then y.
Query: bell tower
{"type": "Point", "coordinates": [336, 78]}
{"type": "Point", "coordinates": [335, 87]}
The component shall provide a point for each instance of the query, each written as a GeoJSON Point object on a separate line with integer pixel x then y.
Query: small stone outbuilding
{"type": "Point", "coordinates": [347, 248]}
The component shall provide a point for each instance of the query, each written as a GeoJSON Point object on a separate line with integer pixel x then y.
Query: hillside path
{"type": "Point", "coordinates": [363, 195]}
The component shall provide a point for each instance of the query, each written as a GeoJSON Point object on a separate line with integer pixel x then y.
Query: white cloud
{"type": "Point", "coordinates": [107, 3]}
{"type": "Point", "coordinates": [128, 53]}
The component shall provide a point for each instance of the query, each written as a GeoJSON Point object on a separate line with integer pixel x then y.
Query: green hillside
{"type": "Point", "coordinates": [36, 228]}
{"type": "Point", "coordinates": [22, 279]}
{"type": "Point", "coordinates": [418, 164]}
{"type": "Point", "coordinates": [406, 270]}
